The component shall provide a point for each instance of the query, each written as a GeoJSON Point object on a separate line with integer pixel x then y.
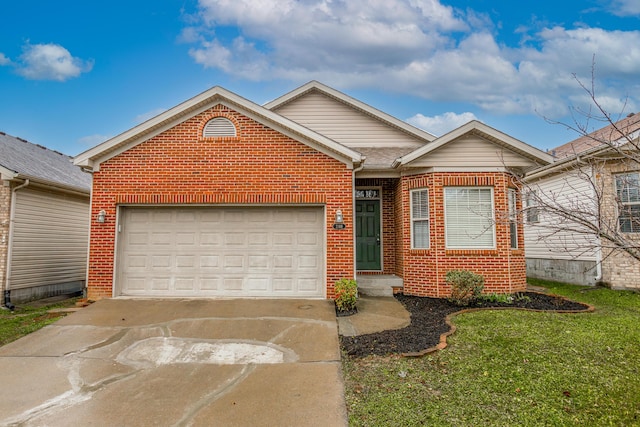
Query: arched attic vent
{"type": "Point", "coordinates": [217, 127]}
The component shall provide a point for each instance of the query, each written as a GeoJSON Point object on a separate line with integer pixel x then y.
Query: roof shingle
{"type": "Point", "coordinates": [38, 162]}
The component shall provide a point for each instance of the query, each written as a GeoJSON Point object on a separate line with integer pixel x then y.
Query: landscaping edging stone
{"type": "Point", "coordinates": [431, 323]}
{"type": "Point", "coordinates": [452, 328]}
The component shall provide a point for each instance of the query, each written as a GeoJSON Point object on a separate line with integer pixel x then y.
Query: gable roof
{"type": "Point", "coordinates": [24, 160]}
{"type": "Point", "coordinates": [593, 144]}
{"type": "Point", "coordinates": [600, 137]}
{"type": "Point", "coordinates": [199, 103]}
{"type": "Point", "coordinates": [315, 86]}
{"type": "Point", "coordinates": [486, 132]}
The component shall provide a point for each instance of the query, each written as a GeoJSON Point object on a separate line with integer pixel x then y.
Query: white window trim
{"type": "Point", "coordinates": [620, 202]}
{"type": "Point", "coordinates": [493, 224]}
{"type": "Point", "coordinates": [533, 212]}
{"type": "Point", "coordinates": [512, 201]}
{"type": "Point", "coordinates": [427, 219]}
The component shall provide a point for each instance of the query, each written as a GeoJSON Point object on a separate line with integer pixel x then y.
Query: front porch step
{"type": "Point", "coordinates": [378, 285]}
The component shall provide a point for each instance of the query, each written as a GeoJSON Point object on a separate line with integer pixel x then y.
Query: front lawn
{"type": "Point", "coordinates": [511, 367]}
{"type": "Point", "coordinates": [29, 318]}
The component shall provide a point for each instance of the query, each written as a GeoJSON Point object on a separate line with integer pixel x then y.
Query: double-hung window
{"type": "Point", "coordinates": [513, 217]}
{"type": "Point", "coordinates": [469, 222]}
{"type": "Point", "coordinates": [628, 192]}
{"type": "Point", "coordinates": [533, 215]}
{"type": "Point", "coordinates": [420, 219]}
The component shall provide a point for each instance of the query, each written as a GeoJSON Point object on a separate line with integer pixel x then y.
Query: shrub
{"type": "Point", "coordinates": [466, 286]}
{"type": "Point", "coordinates": [346, 294]}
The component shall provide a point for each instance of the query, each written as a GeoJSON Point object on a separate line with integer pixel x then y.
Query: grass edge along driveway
{"type": "Point", "coordinates": [511, 367]}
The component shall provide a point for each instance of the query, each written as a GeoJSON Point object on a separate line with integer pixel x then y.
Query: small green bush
{"type": "Point", "coordinates": [466, 286]}
{"type": "Point", "coordinates": [346, 294]}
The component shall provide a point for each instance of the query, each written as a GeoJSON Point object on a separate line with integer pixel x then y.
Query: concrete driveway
{"type": "Point", "coordinates": [142, 362]}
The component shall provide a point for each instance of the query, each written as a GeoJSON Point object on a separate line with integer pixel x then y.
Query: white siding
{"type": "Point", "coordinates": [573, 193]}
{"type": "Point", "coordinates": [50, 234]}
{"type": "Point", "coordinates": [344, 124]}
{"type": "Point", "coordinates": [472, 151]}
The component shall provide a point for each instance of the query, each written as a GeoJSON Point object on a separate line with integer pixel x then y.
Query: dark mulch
{"type": "Point", "coordinates": [428, 323]}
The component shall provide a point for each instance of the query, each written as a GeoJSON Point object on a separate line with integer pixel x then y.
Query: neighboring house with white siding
{"type": "Point", "coordinates": [44, 222]}
{"type": "Point", "coordinates": [591, 187]}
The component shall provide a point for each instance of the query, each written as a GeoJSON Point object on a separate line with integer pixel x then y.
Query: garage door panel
{"type": "Point", "coordinates": [159, 283]}
{"type": "Point", "coordinates": [185, 284]}
{"type": "Point", "coordinates": [259, 239]}
{"type": "Point", "coordinates": [222, 252]}
{"type": "Point", "coordinates": [209, 262]}
{"type": "Point", "coordinates": [210, 239]}
{"type": "Point", "coordinates": [307, 239]}
{"type": "Point", "coordinates": [235, 239]}
{"type": "Point", "coordinates": [309, 284]}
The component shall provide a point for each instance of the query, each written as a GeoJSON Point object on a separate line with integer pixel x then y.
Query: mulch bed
{"type": "Point", "coordinates": [430, 323]}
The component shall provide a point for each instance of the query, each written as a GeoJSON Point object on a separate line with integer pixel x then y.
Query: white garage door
{"type": "Point", "coordinates": [231, 252]}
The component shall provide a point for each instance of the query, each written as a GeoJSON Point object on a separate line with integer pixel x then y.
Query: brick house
{"type": "Point", "coordinates": [591, 177]}
{"type": "Point", "coordinates": [220, 196]}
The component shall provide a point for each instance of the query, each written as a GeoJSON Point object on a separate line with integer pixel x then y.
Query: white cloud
{"type": "Point", "coordinates": [441, 124]}
{"type": "Point", "coordinates": [92, 140]}
{"type": "Point", "coordinates": [50, 62]}
{"type": "Point", "coordinates": [4, 60]}
{"type": "Point", "coordinates": [418, 47]}
{"type": "Point", "coordinates": [141, 118]}
{"type": "Point", "coordinates": [625, 7]}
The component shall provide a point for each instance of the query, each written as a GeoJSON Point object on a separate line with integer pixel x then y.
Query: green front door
{"type": "Point", "coordinates": [368, 235]}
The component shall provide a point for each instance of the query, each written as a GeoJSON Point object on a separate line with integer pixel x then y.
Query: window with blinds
{"type": "Point", "coordinates": [513, 217]}
{"type": "Point", "coordinates": [469, 220]}
{"type": "Point", "coordinates": [420, 219]}
{"type": "Point", "coordinates": [219, 127]}
{"type": "Point", "coordinates": [628, 197]}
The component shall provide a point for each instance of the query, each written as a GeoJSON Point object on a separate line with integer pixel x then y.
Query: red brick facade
{"type": "Point", "coordinates": [257, 167]}
{"type": "Point", "coordinates": [260, 167]}
{"type": "Point", "coordinates": [423, 270]}
{"type": "Point", "coordinates": [503, 268]}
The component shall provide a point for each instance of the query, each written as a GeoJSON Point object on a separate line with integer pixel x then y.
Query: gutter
{"type": "Point", "coordinates": [7, 292]}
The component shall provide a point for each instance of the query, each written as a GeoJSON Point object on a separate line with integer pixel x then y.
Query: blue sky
{"type": "Point", "coordinates": [75, 74]}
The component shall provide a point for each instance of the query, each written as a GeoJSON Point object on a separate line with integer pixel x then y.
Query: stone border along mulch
{"type": "Point", "coordinates": [431, 322]}
{"type": "Point", "coordinates": [452, 328]}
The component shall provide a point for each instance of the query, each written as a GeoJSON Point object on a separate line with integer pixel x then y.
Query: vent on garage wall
{"type": "Point", "coordinates": [219, 126]}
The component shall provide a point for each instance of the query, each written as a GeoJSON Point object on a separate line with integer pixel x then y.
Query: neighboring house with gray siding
{"type": "Point", "coordinates": [44, 222]}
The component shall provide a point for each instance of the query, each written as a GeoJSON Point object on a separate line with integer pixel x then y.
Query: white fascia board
{"type": "Point", "coordinates": [510, 142]}
{"type": "Point", "coordinates": [217, 95]}
{"type": "Point", "coordinates": [370, 173]}
{"type": "Point", "coordinates": [7, 174]}
{"type": "Point", "coordinates": [354, 103]}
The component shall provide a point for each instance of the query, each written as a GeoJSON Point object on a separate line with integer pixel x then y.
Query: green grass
{"type": "Point", "coordinates": [28, 318]}
{"type": "Point", "coordinates": [511, 367]}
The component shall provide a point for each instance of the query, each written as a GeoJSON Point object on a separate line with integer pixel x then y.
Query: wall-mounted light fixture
{"type": "Point", "coordinates": [339, 217]}
{"type": "Point", "coordinates": [102, 215]}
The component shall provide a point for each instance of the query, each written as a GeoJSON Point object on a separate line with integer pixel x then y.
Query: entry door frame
{"type": "Point", "coordinates": [375, 194]}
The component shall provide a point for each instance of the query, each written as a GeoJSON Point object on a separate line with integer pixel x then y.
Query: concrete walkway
{"type": "Point", "coordinates": [133, 362]}
{"type": "Point", "coordinates": [375, 314]}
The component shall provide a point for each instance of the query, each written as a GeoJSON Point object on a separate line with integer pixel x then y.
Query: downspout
{"type": "Point", "coordinates": [353, 213]}
{"type": "Point", "coordinates": [598, 277]}
{"type": "Point", "coordinates": [7, 292]}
